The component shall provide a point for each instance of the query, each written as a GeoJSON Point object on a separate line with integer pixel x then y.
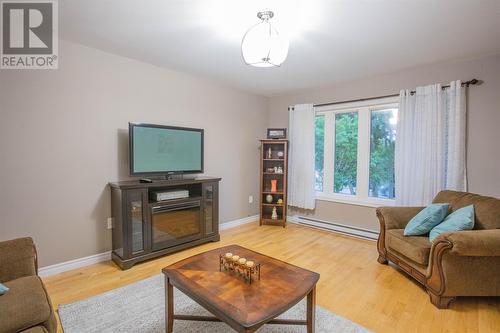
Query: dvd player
{"type": "Point", "coordinates": [169, 195]}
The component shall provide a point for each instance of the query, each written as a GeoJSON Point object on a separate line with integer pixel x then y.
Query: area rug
{"type": "Point", "coordinates": [139, 307]}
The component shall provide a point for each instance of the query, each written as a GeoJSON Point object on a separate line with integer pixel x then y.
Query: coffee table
{"type": "Point", "coordinates": [243, 306]}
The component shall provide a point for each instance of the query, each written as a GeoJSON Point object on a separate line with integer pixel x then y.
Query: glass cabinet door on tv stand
{"type": "Point", "coordinates": [137, 206]}
{"type": "Point", "coordinates": [210, 208]}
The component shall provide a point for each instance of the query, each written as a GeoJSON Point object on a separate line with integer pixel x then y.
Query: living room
{"type": "Point", "coordinates": [328, 166]}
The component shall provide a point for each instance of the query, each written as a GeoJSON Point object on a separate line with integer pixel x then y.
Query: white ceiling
{"type": "Point", "coordinates": [330, 41]}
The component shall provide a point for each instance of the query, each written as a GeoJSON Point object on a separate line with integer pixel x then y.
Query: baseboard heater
{"type": "Point", "coordinates": [337, 227]}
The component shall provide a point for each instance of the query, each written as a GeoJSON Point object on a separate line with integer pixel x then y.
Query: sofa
{"type": "Point", "coordinates": [463, 263]}
{"type": "Point", "coordinates": [26, 307]}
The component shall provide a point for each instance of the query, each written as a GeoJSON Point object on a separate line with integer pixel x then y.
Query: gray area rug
{"type": "Point", "coordinates": [139, 307]}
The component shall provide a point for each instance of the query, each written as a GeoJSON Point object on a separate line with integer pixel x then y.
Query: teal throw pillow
{"type": "Point", "coordinates": [461, 219]}
{"type": "Point", "coordinates": [426, 219]}
{"type": "Point", "coordinates": [3, 289]}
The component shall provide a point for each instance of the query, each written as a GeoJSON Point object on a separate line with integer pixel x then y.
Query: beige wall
{"type": "Point", "coordinates": [483, 153]}
{"type": "Point", "coordinates": [63, 137]}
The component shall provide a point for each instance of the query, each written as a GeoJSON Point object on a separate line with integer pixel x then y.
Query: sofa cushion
{"type": "Point", "coordinates": [25, 305]}
{"type": "Point", "coordinates": [486, 209]}
{"type": "Point", "coordinates": [461, 219]}
{"type": "Point", "coordinates": [3, 289]}
{"type": "Point", "coordinates": [416, 248]}
{"type": "Point", "coordinates": [426, 219]}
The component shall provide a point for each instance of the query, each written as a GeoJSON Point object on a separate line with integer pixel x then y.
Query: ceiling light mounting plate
{"type": "Point", "coordinates": [265, 15]}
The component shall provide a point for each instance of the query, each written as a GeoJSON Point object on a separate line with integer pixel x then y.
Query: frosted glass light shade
{"type": "Point", "coordinates": [263, 46]}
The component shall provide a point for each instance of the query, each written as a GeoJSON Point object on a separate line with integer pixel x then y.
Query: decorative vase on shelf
{"type": "Point", "coordinates": [269, 198]}
{"type": "Point", "coordinates": [274, 215]}
{"type": "Point", "coordinates": [274, 183]}
{"type": "Point", "coordinates": [269, 153]}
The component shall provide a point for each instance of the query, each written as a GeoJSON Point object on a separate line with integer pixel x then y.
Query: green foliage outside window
{"type": "Point", "coordinates": [346, 152]}
{"type": "Point", "coordinates": [382, 146]}
{"type": "Point", "coordinates": [319, 151]}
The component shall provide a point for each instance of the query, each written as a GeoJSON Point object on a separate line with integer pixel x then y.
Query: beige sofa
{"type": "Point", "coordinates": [464, 263]}
{"type": "Point", "coordinates": [26, 306]}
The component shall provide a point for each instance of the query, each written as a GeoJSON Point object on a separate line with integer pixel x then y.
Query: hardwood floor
{"type": "Point", "coordinates": [352, 283]}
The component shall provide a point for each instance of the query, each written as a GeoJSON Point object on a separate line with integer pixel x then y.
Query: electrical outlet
{"type": "Point", "coordinates": [250, 199]}
{"type": "Point", "coordinates": [110, 222]}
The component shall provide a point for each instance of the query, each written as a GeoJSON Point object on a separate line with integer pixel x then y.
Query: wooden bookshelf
{"type": "Point", "coordinates": [279, 164]}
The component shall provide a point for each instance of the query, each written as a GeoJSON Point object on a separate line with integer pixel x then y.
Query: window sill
{"type": "Point", "coordinates": [347, 199]}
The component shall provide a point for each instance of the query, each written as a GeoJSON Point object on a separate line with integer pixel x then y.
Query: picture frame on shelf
{"type": "Point", "coordinates": [276, 133]}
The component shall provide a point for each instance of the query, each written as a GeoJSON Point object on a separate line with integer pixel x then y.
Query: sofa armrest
{"type": "Point", "coordinates": [396, 217]}
{"type": "Point", "coordinates": [473, 243]}
{"type": "Point", "coordinates": [17, 259]}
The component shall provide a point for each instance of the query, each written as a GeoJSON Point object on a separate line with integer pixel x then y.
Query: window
{"type": "Point", "coordinates": [382, 144]}
{"type": "Point", "coordinates": [355, 145]}
{"type": "Point", "coordinates": [346, 153]}
{"type": "Point", "coordinates": [319, 149]}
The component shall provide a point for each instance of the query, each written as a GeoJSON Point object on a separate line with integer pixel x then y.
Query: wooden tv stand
{"type": "Point", "coordinates": [144, 228]}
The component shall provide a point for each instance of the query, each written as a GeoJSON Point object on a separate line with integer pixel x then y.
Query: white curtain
{"type": "Point", "coordinates": [456, 172]}
{"type": "Point", "coordinates": [301, 191]}
{"type": "Point", "coordinates": [430, 144]}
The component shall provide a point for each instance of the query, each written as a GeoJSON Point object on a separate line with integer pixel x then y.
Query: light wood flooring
{"type": "Point", "coordinates": [352, 283]}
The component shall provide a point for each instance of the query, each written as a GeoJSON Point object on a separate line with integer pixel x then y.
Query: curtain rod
{"type": "Point", "coordinates": [466, 84]}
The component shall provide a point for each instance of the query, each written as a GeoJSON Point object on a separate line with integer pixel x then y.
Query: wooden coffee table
{"type": "Point", "coordinates": [243, 306]}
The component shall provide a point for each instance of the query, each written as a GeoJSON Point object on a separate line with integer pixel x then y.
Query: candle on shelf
{"type": "Point", "coordinates": [274, 183]}
{"type": "Point", "coordinates": [249, 263]}
{"type": "Point", "coordinates": [242, 261]}
{"type": "Point", "coordinates": [228, 255]}
{"type": "Point", "coordinates": [235, 258]}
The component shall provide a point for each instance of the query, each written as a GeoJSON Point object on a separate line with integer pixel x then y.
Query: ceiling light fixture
{"type": "Point", "coordinates": [262, 45]}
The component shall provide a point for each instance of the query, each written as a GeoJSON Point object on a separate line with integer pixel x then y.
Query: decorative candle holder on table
{"type": "Point", "coordinates": [240, 266]}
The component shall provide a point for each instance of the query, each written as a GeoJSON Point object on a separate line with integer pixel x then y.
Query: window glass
{"type": "Point", "coordinates": [382, 145]}
{"type": "Point", "coordinates": [346, 153]}
{"type": "Point", "coordinates": [319, 152]}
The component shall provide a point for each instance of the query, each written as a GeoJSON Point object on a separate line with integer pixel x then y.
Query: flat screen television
{"type": "Point", "coordinates": [164, 150]}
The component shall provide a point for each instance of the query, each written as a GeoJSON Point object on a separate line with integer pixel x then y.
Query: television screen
{"type": "Point", "coordinates": [156, 149]}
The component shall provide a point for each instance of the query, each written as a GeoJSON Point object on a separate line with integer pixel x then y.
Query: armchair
{"type": "Point", "coordinates": [464, 263]}
{"type": "Point", "coordinates": [26, 306]}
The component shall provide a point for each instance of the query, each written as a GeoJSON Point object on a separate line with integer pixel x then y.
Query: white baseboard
{"type": "Point", "coordinates": [335, 227]}
{"type": "Point", "coordinates": [238, 222]}
{"type": "Point", "coordinates": [96, 258]}
{"type": "Point", "coordinates": [73, 264]}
